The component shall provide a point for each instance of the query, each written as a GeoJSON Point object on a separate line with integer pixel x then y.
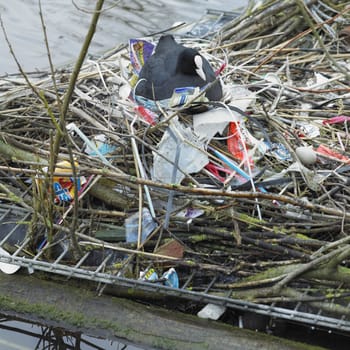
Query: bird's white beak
{"type": "Point", "coordinates": [198, 61]}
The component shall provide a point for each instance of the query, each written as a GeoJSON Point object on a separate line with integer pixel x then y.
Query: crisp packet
{"type": "Point", "coordinates": [63, 185]}
{"type": "Point", "coordinates": [148, 275]}
{"type": "Point", "coordinates": [169, 278]}
{"type": "Point", "coordinates": [140, 51]}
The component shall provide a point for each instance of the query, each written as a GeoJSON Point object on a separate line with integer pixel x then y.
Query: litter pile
{"type": "Point", "coordinates": [250, 194]}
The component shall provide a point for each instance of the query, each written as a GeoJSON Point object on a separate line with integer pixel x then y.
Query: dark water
{"type": "Point", "coordinates": [67, 25]}
{"type": "Point", "coordinates": [21, 335]}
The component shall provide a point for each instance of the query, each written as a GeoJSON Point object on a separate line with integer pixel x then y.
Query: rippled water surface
{"type": "Point", "coordinates": [67, 22]}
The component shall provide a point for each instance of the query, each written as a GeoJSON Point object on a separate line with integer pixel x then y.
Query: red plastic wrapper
{"type": "Point", "coordinates": [324, 150]}
{"type": "Point", "coordinates": [336, 120]}
{"type": "Point", "coordinates": [147, 115]}
{"type": "Point", "coordinates": [218, 171]}
{"type": "Point", "coordinates": [219, 71]}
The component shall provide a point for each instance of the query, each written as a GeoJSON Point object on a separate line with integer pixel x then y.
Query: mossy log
{"type": "Point", "coordinates": [275, 282]}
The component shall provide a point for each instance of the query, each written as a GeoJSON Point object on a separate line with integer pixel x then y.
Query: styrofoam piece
{"type": "Point", "coordinates": [9, 269]}
{"type": "Point", "coordinates": [211, 311]}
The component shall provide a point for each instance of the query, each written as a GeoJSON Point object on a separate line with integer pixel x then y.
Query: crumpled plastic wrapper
{"type": "Point", "coordinates": [180, 152]}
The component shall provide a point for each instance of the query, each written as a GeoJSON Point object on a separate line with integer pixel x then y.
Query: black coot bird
{"type": "Point", "coordinates": [173, 65]}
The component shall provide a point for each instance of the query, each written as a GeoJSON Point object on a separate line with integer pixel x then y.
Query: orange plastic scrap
{"type": "Point", "coordinates": [235, 143]}
{"type": "Point", "coordinates": [324, 150]}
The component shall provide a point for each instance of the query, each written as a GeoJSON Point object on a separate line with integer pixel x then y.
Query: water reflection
{"type": "Point", "coordinates": [22, 335]}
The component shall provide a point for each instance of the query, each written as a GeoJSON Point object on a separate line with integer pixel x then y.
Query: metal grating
{"type": "Point", "coordinates": [96, 274]}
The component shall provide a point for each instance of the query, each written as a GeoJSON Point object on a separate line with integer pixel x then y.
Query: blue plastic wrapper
{"type": "Point", "coordinates": [150, 104]}
{"type": "Point", "coordinates": [280, 151]}
{"type": "Point", "coordinates": [102, 147]}
{"type": "Point", "coordinates": [171, 278]}
{"type": "Point", "coordinates": [132, 226]}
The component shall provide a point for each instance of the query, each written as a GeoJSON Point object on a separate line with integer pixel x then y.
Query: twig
{"type": "Point", "coordinates": [74, 75]}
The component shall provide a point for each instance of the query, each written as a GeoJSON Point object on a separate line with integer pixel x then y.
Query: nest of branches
{"type": "Point", "coordinates": [279, 237]}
